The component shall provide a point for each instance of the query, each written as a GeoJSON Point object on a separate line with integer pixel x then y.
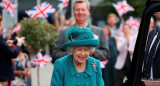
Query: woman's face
{"type": "Point", "coordinates": [126, 29]}
{"type": "Point", "coordinates": [106, 31]}
{"type": "Point", "coordinates": [80, 54]}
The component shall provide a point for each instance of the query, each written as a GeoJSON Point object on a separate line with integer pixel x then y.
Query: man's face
{"type": "Point", "coordinates": [112, 21]}
{"type": "Point", "coordinates": [81, 12]}
{"type": "Point", "coordinates": [126, 29]}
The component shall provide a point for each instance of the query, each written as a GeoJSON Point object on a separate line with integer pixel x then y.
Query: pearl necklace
{"type": "Point", "coordinates": [82, 69]}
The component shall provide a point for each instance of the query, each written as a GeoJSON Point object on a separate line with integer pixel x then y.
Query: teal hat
{"type": "Point", "coordinates": [80, 37]}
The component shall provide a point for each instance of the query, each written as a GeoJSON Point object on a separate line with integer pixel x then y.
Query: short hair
{"type": "Point", "coordinates": [127, 25]}
{"type": "Point", "coordinates": [70, 49]}
{"type": "Point", "coordinates": [81, 1]}
{"type": "Point", "coordinates": [112, 15]}
{"type": "Point", "coordinates": [1, 18]}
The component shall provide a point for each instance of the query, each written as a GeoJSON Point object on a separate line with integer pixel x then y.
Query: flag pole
{"type": "Point", "coordinates": [72, 8]}
{"type": "Point", "coordinates": [38, 75]}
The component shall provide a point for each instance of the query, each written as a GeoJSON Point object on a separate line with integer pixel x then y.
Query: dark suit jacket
{"type": "Point", "coordinates": [101, 52]}
{"type": "Point", "coordinates": [6, 55]}
{"type": "Point", "coordinates": [156, 62]}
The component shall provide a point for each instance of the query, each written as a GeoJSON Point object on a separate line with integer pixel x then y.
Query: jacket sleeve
{"type": "Point", "coordinates": [8, 51]}
{"type": "Point", "coordinates": [100, 81]}
{"type": "Point", "coordinates": [57, 76]}
{"type": "Point", "coordinates": [58, 51]}
{"type": "Point", "coordinates": [102, 52]}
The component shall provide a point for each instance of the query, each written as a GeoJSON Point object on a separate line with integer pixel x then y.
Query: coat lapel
{"type": "Point", "coordinates": [89, 68]}
{"type": "Point", "coordinates": [71, 67]}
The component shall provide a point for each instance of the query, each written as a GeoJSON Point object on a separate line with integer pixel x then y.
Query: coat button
{"type": "Point", "coordinates": [85, 75]}
{"type": "Point", "coordinates": [77, 75]}
{"type": "Point", "coordinates": [78, 84]}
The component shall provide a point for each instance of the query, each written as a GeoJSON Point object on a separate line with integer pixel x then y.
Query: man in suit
{"type": "Point", "coordinates": [81, 12]}
{"type": "Point", "coordinates": [6, 55]}
{"type": "Point", "coordinates": [151, 64]}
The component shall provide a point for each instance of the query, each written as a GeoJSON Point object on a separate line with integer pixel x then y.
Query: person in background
{"type": "Point", "coordinates": [81, 12]}
{"type": "Point", "coordinates": [151, 62]}
{"type": "Point", "coordinates": [78, 68]}
{"type": "Point", "coordinates": [109, 72]}
{"type": "Point", "coordinates": [6, 55]}
{"type": "Point", "coordinates": [125, 46]}
{"type": "Point", "coordinates": [112, 21]}
{"type": "Point", "coordinates": [59, 24]}
{"type": "Point", "coordinates": [21, 69]}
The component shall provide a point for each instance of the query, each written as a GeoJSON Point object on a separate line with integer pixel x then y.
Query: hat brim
{"type": "Point", "coordinates": [90, 42]}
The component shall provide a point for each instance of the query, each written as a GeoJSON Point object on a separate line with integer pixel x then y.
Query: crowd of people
{"type": "Point", "coordinates": [79, 49]}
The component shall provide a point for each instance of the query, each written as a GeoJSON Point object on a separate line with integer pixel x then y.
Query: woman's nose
{"type": "Point", "coordinates": [83, 52]}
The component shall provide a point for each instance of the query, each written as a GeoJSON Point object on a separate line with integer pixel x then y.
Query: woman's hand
{"type": "Point", "coordinates": [10, 43]}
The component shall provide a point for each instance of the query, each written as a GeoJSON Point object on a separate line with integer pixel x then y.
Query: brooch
{"type": "Point", "coordinates": [94, 66]}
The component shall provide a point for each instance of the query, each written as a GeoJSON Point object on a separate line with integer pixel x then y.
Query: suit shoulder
{"type": "Point", "coordinates": [95, 27]}
{"type": "Point", "coordinates": [65, 29]}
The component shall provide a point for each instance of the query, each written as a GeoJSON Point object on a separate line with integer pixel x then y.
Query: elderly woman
{"type": "Point", "coordinates": [78, 68]}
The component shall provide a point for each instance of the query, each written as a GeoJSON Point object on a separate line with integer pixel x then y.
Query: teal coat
{"type": "Point", "coordinates": [65, 73]}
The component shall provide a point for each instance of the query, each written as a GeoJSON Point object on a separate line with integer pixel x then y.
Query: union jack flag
{"type": "Point", "coordinates": [41, 59]}
{"type": "Point", "coordinates": [122, 7]}
{"type": "Point", "coordinates": [43, 10]}
{"type": "Point", "coordinates": [9, 6]}
{"type": "Point", "coordinates": [16, 28]}
{"type": "Point", "coordinates": [134, 23]}
{"type": "Point", "coordinates": [103, 64]}
{"type": "Point", "coordinates": [64, 3]}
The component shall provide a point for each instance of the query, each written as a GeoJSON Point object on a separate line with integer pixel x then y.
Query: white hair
{"type": "Point", "coordinates": [80, 1]}
{"type": "Point", "coordinates": [70, 49]}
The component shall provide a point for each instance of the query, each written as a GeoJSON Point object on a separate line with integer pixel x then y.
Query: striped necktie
{"type": "Point", "coordinates": [147, 66]}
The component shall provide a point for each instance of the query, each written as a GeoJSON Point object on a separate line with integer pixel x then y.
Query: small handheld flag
{"type": "Point", "coordinates": [9, 6]}
{"type": "Point", "coordinates": [122, 7]}
{"type": "Point", "coordinates": [103, 64]}
{"type": "Point", "coordinates": [42, 59]}
{"type": "Point", "coordinates": [64, 3]}
{"type": "Point", "coordinates": [134, 23]}
{"type": "Point", "coordinates": [16, 28]}
{"type": "Point", "coordinates": [43, 10]}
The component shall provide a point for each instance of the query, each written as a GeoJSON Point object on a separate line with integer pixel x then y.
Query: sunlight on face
{"type": "Point", "coordinates": [80, 54]}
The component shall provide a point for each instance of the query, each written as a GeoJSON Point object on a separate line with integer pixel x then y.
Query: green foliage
{"type": "Point", "coordinates": [38, 33]}
{"type": "Point", "coordinates": [106, 7]}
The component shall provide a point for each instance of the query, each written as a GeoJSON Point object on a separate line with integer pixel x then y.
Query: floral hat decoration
{"type": "Point", "coordinates": [80, 37]}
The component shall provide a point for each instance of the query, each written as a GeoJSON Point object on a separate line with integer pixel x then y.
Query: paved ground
{"type": "Point", "coordinates": [45, 75]}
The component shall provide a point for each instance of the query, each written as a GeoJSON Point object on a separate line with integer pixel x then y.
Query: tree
{"type": "Point", "coordinates": [38, 33]}
{"type": "Point", "coordinates": [106, 7]}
